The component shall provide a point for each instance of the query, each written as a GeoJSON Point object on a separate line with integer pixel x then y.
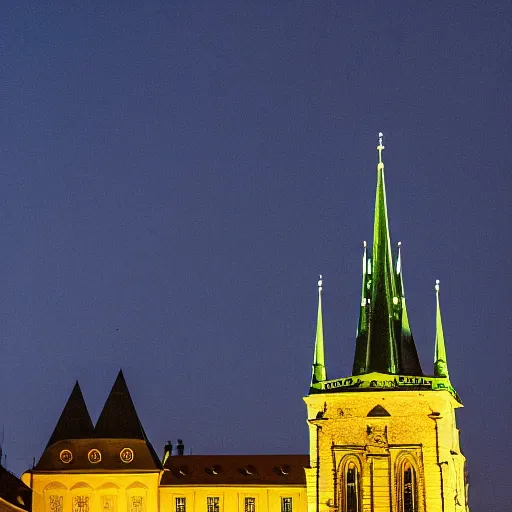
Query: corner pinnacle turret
{"type": "Point", "coordinates": [319, 371]}
{"type": "Point", "coordinates": [440, 362]}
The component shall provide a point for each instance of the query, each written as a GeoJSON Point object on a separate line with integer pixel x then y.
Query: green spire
{"type": "Point", "coordinates": [382, 350]}
{"type": "Point", "coordinates": [410, 361]}
{"type": "Point", "coordinates": [319, 373]}
{"type": "Point", "coordinates": [362, 326]}
{"type": "Point", "coordinates": [363, 321]}
{"type": "Point", "coordinates": [440, 362]}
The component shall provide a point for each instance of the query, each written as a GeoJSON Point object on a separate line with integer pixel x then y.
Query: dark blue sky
{"type": "Point", "coordinates": [174, 175]}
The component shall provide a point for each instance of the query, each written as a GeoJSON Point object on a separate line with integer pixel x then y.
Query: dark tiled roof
{"type": "Point", "coordinates": [235, 470]}
{"type": "Point", "coordinates": [14, 491]}
{"type": "Point", "coordinates": [144, 457]}
{"type": "Point", "coordinates": [74, 422]}
{"type": "Point", "coordinates": [119, 419]}
{"type": "Point", "coordinates": [118, 427]}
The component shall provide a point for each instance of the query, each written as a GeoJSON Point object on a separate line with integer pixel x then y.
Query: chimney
{"type": "Point", "coordinates": [180, 447]}
{"type": "Point", "coordinates": [167, 451]}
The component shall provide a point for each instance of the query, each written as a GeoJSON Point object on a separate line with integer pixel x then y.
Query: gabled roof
{"type": "Point", "coordinates": [118, 440]}
{"type": "Point", "coordinates": [119, 419]}
{"type": "Point", "coordinates": [14, 491]}
{"type": "Point", "coordinates": [75, 421]}
{"type": "Point", "coordinates": [111, 455]}
{"type": "Point", "coordinates": [281, 470]}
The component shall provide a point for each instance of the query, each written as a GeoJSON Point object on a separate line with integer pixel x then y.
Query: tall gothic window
{"type": "Point", "coordinates": [351, 487]}
{"type": "Point", "coordinates": [409, 488]}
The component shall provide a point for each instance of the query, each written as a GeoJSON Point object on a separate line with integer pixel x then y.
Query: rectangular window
{"type": "Point", "coordinates": [213, 504]}
{"type": "Point", "coordinates": [250, 505]}
{"type": "Point", "coordinates": [286, 505]}
{"type": "Point", "coordinates": [181, 504]}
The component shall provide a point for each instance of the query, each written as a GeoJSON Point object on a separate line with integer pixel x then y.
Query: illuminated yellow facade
{"type": "Point", "coordinates": [266, 498]}
{"type": "Point", "coordinates": [381, 434]}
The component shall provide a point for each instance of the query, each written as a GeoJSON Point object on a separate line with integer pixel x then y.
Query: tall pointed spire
{"type": "Point", "coordinates": [410, 361]}
{"type": "Point", "coordinates": [440, 361]}
{"type": "Point", "coordinates": [319, 372]}
{"type": "Point", "coordinates": [381, 354]}
{"type": "Point", "coordinates": [75, 421]}
{"type": "Point", "coordinates": [119, 419]}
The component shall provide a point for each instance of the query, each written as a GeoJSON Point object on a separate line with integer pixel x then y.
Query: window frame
{"type": "Point", "coordinates": [286, 504]}
{"type": "Point", "coordinates": [214, 506]}
{"type": "Point", "coordinates": [407, 463]}
{"type": "Point", "coordinates": [348, 463]}
{"type": "Point", "coordinates": [246, 503]}
{"type": "Point", "coordinates": [180, 504]}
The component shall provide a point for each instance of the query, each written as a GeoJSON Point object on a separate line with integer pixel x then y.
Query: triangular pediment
{"type": "Point", "coordinates": [378, 411]}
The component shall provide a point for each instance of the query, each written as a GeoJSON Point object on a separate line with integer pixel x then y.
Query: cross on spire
{"type": "Point", "coordinates": [380, 148]}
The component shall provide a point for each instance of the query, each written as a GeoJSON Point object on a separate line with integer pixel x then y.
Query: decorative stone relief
{"type": "Point", "coordinates": [94, 456]}
{"type": "Point", "coordinates": [81, 504]}
{"type": "Point", "coordinates": [56, 503]}
{"type": "Point", "coordinates": [108, 503]}
{"type": "Point", "coordinates": [126, 455]}
{"type": "Point", "coordinates": [66, 456]}
{"type": "Point", "coordinates": [377, 438]}
{"type": "Point", "coordinates": [136, 504]}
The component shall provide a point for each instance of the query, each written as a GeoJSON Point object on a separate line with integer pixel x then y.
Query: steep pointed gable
{"type": "Point", "coordinates": [119, 419]}
{"type": "Point", "coordinates": [75, 421]}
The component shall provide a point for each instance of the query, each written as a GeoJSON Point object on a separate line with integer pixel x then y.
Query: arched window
{"type": "Point", "coordinates": [352, 488]}
{"type": "Point", "coordinates": [409, 488]}
{"type": "Point", "coordinates": [350, 499]}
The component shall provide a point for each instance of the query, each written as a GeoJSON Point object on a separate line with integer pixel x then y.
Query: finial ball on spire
{"type": "Point", "coordinates": [320, 282]}
{"type": "Point", "coordinates": [437, 285]}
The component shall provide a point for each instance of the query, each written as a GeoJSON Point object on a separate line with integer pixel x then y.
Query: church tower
{"type": "Point", "coordinates": [384, 439]}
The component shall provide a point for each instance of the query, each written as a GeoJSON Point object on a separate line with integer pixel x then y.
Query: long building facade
{"type": "Point", "coordinates": [383, 439]}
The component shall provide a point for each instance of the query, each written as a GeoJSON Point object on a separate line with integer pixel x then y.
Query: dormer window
{"type": "Point", "coordinates": [214, 470]}
{"type": "Point", "coordinates": [182, 471]}
{"type": "Point", "coordinates": [249, 470]}
{"type": "Point", "coordinates": [283, 470]}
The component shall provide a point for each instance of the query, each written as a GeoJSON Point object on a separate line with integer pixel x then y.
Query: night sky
{"type": "Point", "coordinates": [175, 175]}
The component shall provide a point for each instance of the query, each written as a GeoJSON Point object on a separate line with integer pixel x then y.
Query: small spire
{"type": "Point", "coordinates": [410, 362]}
{"type": "Point", "coordinates": [362, 325]}
{"type": "Point", "coordinates": [319, 372]}
{"type": "Point", "coordinates": [440, 362]}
